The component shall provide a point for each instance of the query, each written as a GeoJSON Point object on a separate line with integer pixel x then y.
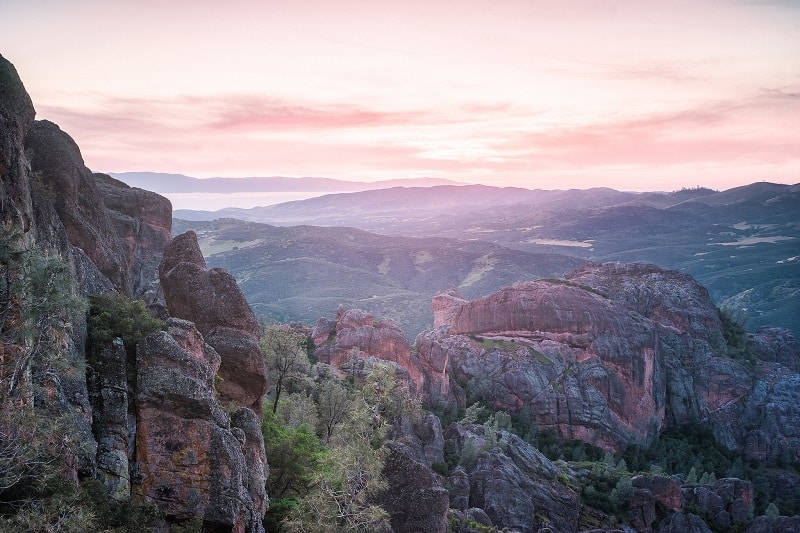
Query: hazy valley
{"type": "Point", "coordinates": [742, 244]}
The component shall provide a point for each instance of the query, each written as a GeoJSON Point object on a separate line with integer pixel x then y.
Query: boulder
{"type": "Point", "coordinates": [415, 498]}
{"type": "Point", "coordinates": [781, 524]}
{"type": "Point", "coordinates": [647, 491]}
{"type": "Point", "coordinates": [683, 523]}
{"type": "Point", "coordinates": [189, 460]}
{"type": "Point", "coordinates": [729, 502]}
{"type": "Point", "coordinates": [515, 485]}
{"type": "Point", "coordinates": [213, 301]}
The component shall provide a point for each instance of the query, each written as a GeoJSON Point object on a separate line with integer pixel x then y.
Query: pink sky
{"type": "Point", "coordinates": [635, 95]}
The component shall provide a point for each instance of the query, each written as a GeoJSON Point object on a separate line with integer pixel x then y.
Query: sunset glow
{"type": "Point", "coordinates": [635, 95]}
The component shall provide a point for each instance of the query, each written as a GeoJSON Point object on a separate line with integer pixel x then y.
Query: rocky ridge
{"type": "Point", "coordinates": [612, 355]}
{"type": "Point", "coordinates": [148, 425]}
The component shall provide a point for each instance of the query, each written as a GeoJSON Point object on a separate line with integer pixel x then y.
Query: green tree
{"type": "Point", "coordinates": [38, 306]}
{"type": "Point", "coordinates": [113, 315]}
{"type": "Point", "coordinates": [772, 511]}
{"type": "Point", "coordinates": [285, 353]}
{"type": "Point", "coordinates": [352, 474]}
{"type": "Point", "coordinates": [622, 491]}
{"type": "Point", "coordinates": [333, 405]}
{"type": "Point", "coordinates": [297, 409]}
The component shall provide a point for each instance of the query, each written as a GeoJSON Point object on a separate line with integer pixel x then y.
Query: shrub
{"type": "Point", "coordinates": [113, 315]}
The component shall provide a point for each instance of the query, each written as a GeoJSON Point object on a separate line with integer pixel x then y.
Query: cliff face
{"type": "Point", "coordinates": [192, 459]}
{"type": "Point", "coordinates": [150, 427]}
{"type": "Point", "coordinates": [213, 301]}
{"type": "Point", "coordinates": [612, 355]}
{"type": "Point", "coordinates": [379, 339]}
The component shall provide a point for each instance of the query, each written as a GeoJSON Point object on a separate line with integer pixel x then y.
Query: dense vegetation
{"type": "Point", "coordinates": [326, 430]}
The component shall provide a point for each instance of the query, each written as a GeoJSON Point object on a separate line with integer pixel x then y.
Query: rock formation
{"type": "Point", "coordinates": [192, 460]}
{"type": "Point", "coordinates": [120, 229]}
{"type": "Point", "coordinates": [379, 339]}
{"type": "Point", "coordinates": [612, 355]}
{"type": "Point", "coordinates": [213, 301]}
{"type": "Point", "coordinates": [415, 499]}
{"type": "Point", "coordinates": [516, 486]}
{"type": "Point", "coordinates": [151, 427]}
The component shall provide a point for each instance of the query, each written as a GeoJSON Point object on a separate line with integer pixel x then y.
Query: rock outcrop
{"type": "Point", "coordinates": [213, 301]}
{"type": "Point", "coordinates": [379, 339]}
{"type": "Point", "coordinates": [151, 428]}
{"type": "Point", "coordinates": [191, 460]}
{"type": "Point", "coordinates": [612, 355]}
{"type": "Point", "coordinates": [415, 499]}
{"type": "Point", "coordinates": [516, 486]}
{"type": "Point", "coordinates": [121, 230]}
{"type": "Point", "coordinates": [729, 502]}
{"type": "Point", "coordinates": [16, 118]}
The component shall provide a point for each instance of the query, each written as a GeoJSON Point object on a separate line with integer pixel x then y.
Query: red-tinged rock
{"type": "Point", "coordinates": [213, 301]}
{"type": "Point", "coordinates": [378, 339]}
{"type": "Point", "coordinates": [192, 459]}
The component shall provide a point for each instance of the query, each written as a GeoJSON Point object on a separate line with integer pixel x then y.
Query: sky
{"type": "Point", "coordinates": [552, 94]}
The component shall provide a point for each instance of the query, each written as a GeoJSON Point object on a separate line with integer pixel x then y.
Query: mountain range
{"type": "Point", "coordinates": [741, 243]}
{"type": "Point", "coordinates": [164, 183]}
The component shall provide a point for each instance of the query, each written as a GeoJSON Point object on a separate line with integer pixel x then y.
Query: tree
{"type": "Point", "coordinates": [38, 305]}
{"type": "Point", "coordinates": [351, 476]}
{"type": "Point", "coordinates": [772, 511]}
{"type": "Point", "coordinates": [622, 491]}
{"type": "Point", "coordinates": [112, 315]}
{"type": "Point", "coordinates": [333, 405]}
{"type": "Point", "coordinates": [298, 409]}
{"type": "Point", "coordinates": [285, 353]}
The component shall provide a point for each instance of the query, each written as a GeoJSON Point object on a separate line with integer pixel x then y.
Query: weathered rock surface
{"type": "Point", "coordinates": [612, 355]}
{"type": "Point", "coordinates": [777, 345]}
{"type": "Point", "coordinates": [189, 460]}
{"type": "Point", "coordinates": [380, 339]}
{"type": "Point", "coordinates": [213, 301]}
{"type": "Point", "coordinates": [142, 221]}
{"type": "Point", "coordinates": [16, 118]}
{"type": "Point", "coordinates": [415, 499]}
{"type": "Point", "coordinates": [65, 399]}
{"type": "Point", "coordinates": [729, 501]}
{"type": "Point", "coordinates": [124, 239]}
{"type": "Point", "coordinates": [516, 486]}
{"type": "Point", "coordinates": [114, 430]}
{"type": "Point", "coordinates": [647, 492]}
{"type": "Point", "coordinates": [683, 523]}
{"type": "Point", "coordinates": [782, 524]}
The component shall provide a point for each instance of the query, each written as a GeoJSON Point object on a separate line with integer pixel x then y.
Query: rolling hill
{"type": "Point", "coordinates": [743, 244]}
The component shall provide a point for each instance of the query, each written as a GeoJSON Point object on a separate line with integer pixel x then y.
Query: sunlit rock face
{"type": "Point", "coordinates": [612, 354]}
{"type": "Point", "coordinates": [213, 301]}
{"type": "Point", "coordinates": [371, 338]}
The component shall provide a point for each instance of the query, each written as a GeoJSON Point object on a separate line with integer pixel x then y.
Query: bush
{"type": "Point", "coordinates": [113, 315]}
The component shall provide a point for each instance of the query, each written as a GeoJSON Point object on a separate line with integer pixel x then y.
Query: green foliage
{"type": "Point", "coordinates": [295, 457]}
{"type": "Point", "coordinates": [622, 491]}
{"type": "Point", "coordinates": [736, 336]}
{"type": "Point", "coordinates": [772, 511]}
{"type": "Point", "coordinates": [112, 315]}
{"type": "Point", "coordinates": [287, 360]}
{"type": "Point", "coordinates": [351, 476]}
{"type": "Point", "coordinates": [38, 306]}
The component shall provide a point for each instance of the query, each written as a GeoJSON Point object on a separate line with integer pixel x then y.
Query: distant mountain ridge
{"type": "Point", "coordinates": [179, 183]}
{"type": "Point", "coordinates": [742, 243]}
